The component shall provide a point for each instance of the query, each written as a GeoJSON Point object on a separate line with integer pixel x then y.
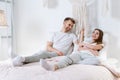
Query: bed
{"type": "Point", "coordinates": [34, 71]}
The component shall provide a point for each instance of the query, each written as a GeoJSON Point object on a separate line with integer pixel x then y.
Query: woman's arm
{"type": "Point", "coordinates": [81, 35]}
{"type": "Point", "coordinates": [93, 47]}
{"type": "Point", "coordinates": [94, 52]}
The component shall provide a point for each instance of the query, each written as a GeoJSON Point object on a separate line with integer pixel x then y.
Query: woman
{"type": "Point", "coordinates": [86, 54]}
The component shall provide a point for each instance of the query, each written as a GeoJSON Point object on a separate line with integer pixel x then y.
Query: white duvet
{"type": "Point", "coordinates": [34, 71]}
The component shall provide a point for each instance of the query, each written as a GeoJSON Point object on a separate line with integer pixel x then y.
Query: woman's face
{"type": "Point", "coordinates": [95, 34]}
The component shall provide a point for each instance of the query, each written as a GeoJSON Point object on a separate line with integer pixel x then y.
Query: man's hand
{"type": "Point", "coordinates": [51, 49]}
{"type": "Point", "coordinates": [60, 53]}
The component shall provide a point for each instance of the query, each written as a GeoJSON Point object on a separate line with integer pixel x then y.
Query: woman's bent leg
{"type": "Point", "coordinates": [68, 60]}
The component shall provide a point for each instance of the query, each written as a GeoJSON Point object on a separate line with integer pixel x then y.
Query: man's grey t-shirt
{"type": "Point", "coordinates": [63, 41]}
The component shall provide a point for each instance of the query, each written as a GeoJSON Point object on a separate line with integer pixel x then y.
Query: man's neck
{"type": "Point", "coordinates": [63, 30]}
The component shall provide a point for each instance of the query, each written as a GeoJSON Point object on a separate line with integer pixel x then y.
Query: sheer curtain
{"type": "Point", "coordinates": [85, 13]}
{"type": "Point", "coordinates": [50, 3]}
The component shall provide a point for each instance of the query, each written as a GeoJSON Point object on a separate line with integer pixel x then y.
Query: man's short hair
{"type": "Point", "coordinates": [69, 18]}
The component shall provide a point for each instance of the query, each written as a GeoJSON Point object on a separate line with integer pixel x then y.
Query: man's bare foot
{"type": "Point", "coordinates": [47, 66]}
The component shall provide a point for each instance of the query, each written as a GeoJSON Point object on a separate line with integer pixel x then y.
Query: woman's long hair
{"type": "Point", "coordinates": [100, 38]}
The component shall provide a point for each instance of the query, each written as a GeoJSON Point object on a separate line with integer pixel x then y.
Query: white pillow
{"type": "Point", "coordinates": [103, 52]}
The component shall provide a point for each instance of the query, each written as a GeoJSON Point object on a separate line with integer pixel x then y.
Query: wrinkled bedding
{"type": "Point", "coordinates": [34, 71]}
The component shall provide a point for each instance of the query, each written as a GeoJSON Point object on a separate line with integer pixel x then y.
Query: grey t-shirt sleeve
{"type": "Point", "coordinates": [51, 37]}
{"type": "Point", "coordinates": [74, 38]}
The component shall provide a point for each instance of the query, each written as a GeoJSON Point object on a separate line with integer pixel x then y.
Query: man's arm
{"type": "Point", "coordinates": [51, 49]}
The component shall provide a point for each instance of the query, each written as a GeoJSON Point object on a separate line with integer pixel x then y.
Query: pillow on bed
{"type": "Point", "coordinates": [103, 52]}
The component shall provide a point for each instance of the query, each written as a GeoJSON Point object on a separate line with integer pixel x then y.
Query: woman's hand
{"type": "Point", "coordinates": [81, 44]}
{"type": "Point", "coordinates": [95, 53]}
{"type": "Point", "coordinates": [82, 31]}
{"type": "Point", "coordinates": [81, 48]}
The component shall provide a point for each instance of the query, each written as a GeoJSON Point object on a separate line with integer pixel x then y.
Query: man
{"type": "Point", "coordinates": [58, 45]}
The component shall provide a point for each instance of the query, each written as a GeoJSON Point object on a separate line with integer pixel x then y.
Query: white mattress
{"type": "Point", "coordinates": [34, 71]}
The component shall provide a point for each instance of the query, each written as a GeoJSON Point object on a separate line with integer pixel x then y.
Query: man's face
{"type": "Point", "coordinates": [68, 25]}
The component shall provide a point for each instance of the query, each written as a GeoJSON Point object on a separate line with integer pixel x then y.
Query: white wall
{"type": "Point", "coordinates": [33, 22]}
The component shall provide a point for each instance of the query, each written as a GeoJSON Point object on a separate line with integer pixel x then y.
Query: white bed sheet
{"type": "Point", "coordinates": [34, 71]}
